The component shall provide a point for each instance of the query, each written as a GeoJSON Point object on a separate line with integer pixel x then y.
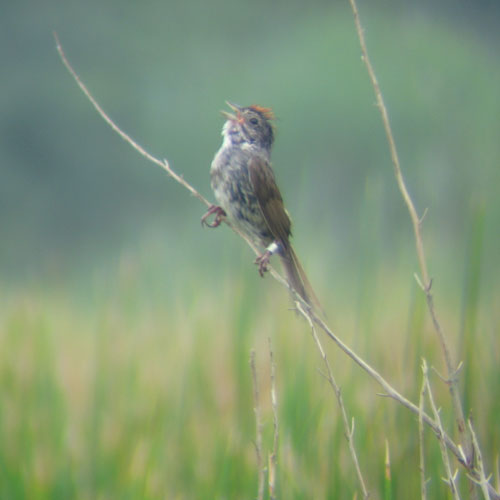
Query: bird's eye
{"type": "Point", "coordinates": [254, 121]}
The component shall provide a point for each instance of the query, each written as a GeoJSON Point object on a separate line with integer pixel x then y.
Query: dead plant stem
{"type": "Point", "coordinates": [258, 428]}
{"type": "Point", "coordinates": [416, 222]}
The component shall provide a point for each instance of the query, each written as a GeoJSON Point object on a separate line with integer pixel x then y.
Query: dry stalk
{"type": "Point", "coordinates": [348, 428]}
{"type": "Point", "coordinates": [416, 222]}
{"type": "Point", "coordinates": [483, 480]}
{"type": "Point", "coordinates": [450, 478]}
{"type": "Point", "coordinates": [394, 394]}
{"type": "Point", "coordinates": [387, 464]}
{"type": "Point", "coordinates": [273, 456]}
{"type": "Point", "coordinates": [421, 405]}
{"type": "Point", "coordinates": [163, 164]}
{"type": "Point", "coordinates": [258, 428]}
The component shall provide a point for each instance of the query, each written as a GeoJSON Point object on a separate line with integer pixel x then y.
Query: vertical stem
{"type": "Point", "coordinates": [450, 477]}
{"type": "Point", "coordinates": [258, 428]}
{"type": "Point", "coordinates": [426, 281]}
{"type": "Point", "coordinates": [348, 429]}
{"type": "Point", "coordinates": [421, 406]}
{"type": "Point", "coordinates": [273, 456]}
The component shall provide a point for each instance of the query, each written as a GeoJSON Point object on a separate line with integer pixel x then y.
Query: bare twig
{"type": "Point", "coordinates": [258, 428]}
{"type": "Point", "coordinates": [483, 480]}
{"type": "Point", "coordinates": [450, 478]}
{"type": "Point", "coordinates": [388, 478]}
{"type": "Point", "coordinates": [273, 456]}
{"type": "Point", "coordinates": [421, 405]}
{"type": "Point", "coordinates": [388, 388]}
{"type": "Point", "coordinates": [416, 222]}
{"type": "Point", "coordinates": [348, 428]}
{"type": "Point", "coordinates": [394, 394]}
{"type": "Point", "coordinates": [163, 164]}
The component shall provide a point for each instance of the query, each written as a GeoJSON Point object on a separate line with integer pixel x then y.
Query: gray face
{"type": "Point", "coordinates": [251, 127]}
{"type": "Point", "coordinates": [256, 127]}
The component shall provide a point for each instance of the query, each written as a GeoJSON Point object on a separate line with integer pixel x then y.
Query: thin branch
{"type": "Point", "coordinates": [483, 480]}
{"type": "Point", "coordinates": [388, 388]}
{"type": "Point", "coordinates": [416, 222]}
{"type": "Point", "coordinates": [273, 456]}
{"type": "Point", "coordinates": [348, 429]}
{"type": "Point", "coordinates": [387, 475]}
{"type": "Point", "coordinates": [258, 428]}
{"type": "Point", "coordinates": [392, 144]}
{"type": "Point", "coordinates": [450, 478]}
{"type": "Point", "coordinates": [163, 164]}
{"type": "Point", "coordinates": [423, 480]}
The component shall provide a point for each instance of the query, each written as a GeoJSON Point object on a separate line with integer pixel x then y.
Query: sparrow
{"type": "Point", "coordinates": [247, 194]}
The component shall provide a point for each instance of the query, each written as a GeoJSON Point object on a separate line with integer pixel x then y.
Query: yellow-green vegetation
{"type": "Point", "coordinates": [134, 382]}
{"type": "Point", "coordinates": [130, 394]}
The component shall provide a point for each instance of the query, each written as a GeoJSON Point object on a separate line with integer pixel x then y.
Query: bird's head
{"type": "Point", "coordinates": [249, 125]}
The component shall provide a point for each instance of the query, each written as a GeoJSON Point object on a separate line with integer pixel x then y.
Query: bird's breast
{"type": "Point", "coordinates": [234, 192]}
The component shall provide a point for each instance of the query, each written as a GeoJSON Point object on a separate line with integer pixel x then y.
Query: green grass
{"type": "Point", "coordinates": [125, 394]}
{"type": "Point", "coordinates": [136, 383]}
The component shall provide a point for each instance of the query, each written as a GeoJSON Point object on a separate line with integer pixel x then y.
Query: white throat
{"type": "Point", "coordinates": [232, 135]}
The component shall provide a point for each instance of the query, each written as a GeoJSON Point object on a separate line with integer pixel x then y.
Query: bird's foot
{"type": "Point", "coordinates": [219, 215]}
{"type": "Point", "coordinates": [262, 261]}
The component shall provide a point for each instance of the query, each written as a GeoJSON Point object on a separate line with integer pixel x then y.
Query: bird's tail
{"type": "Point", "coordinates": [297, 278]}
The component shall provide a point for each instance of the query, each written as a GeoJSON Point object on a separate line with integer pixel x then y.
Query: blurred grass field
{"type": "Point", "coordinates": [120, 390]}
{"type": "Point", "coordinates": [126, 330]}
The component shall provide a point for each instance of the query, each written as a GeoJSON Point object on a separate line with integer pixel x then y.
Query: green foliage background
{"type": "Point", "coordinates": [125, 329]}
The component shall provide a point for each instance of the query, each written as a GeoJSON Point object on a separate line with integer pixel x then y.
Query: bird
{"type": "Point", "coordinates": [245, 188]}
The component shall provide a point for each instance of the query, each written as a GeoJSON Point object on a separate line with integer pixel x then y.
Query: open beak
{"type": "Point", "coordinates": [235, 108]}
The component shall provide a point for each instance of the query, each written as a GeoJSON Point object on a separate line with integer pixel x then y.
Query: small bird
{"type": "Point", "coordinates": [245, 188]}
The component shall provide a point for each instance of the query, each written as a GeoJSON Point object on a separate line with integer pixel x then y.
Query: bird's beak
{"type": "Point", "coordinates": [235, 108]}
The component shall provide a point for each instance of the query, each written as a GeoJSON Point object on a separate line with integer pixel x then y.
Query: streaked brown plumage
{"type": "Point", "coordinates": [245, 188]}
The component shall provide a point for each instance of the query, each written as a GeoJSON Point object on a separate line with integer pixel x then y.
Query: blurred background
{"type": "Point", "coordinates": [74, 196]}
{"type": "Point", "coordinates": [95, 239]}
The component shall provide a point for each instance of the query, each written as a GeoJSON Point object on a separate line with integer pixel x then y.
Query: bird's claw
{"type": "Point", "coordinates": [262, 261]}
{"type": "Point", "coordinates": [219, 215]}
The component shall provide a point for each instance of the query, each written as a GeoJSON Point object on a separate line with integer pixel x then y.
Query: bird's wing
{"type": "Point", "coordinates": [269, 198]}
